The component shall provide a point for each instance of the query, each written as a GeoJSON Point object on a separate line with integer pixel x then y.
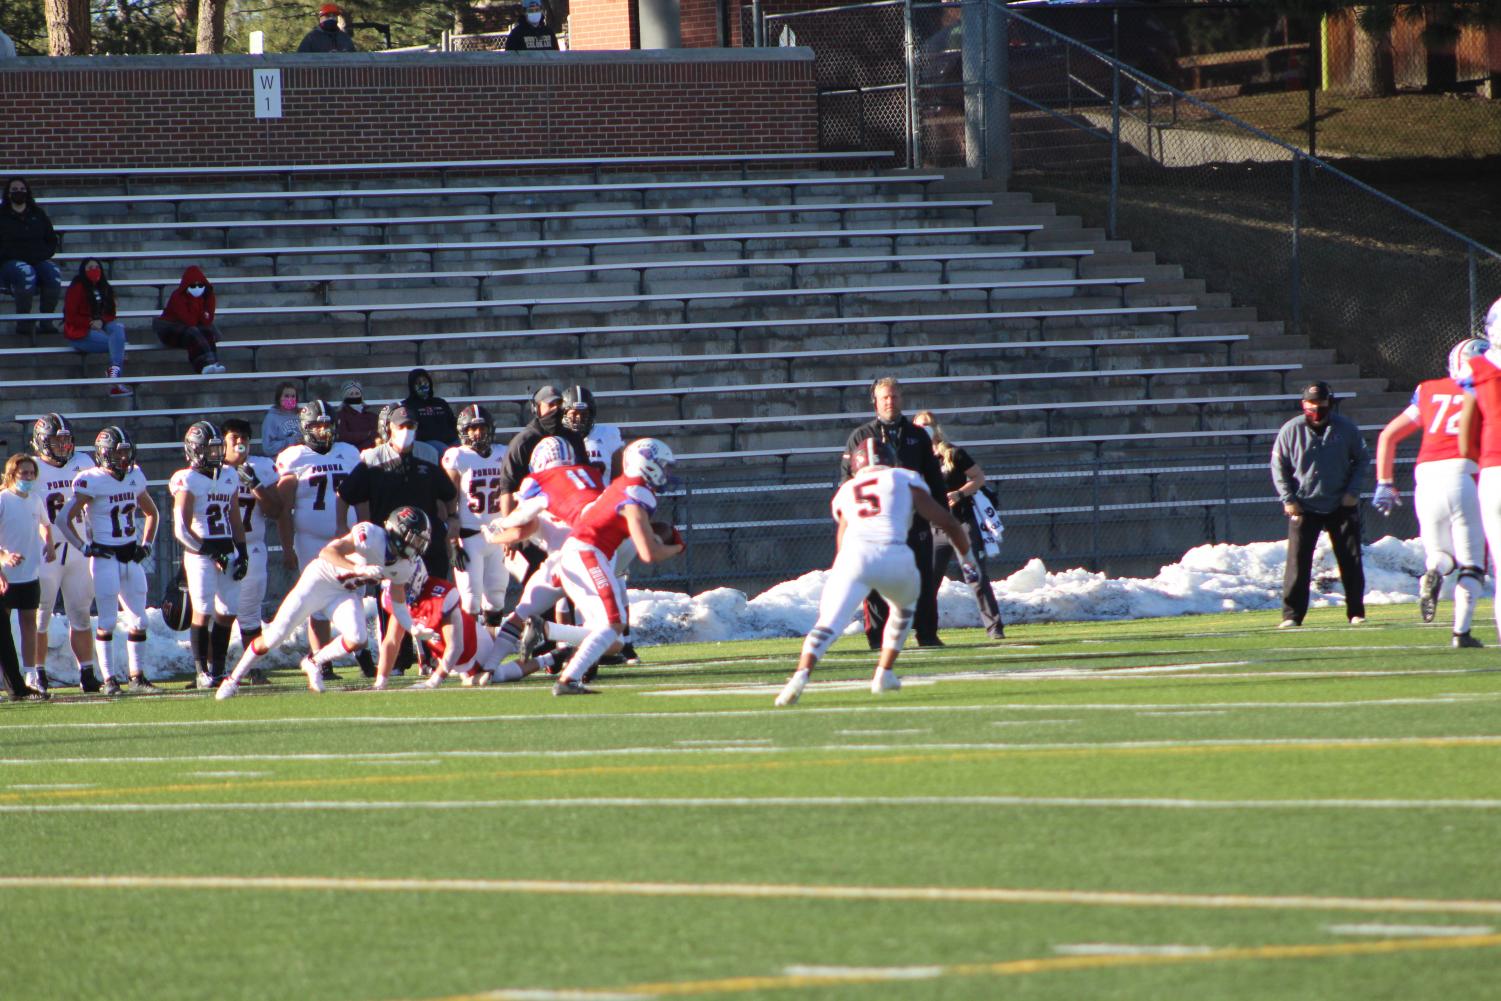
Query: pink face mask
{"type": "Point", "coordinates": [289, 403]}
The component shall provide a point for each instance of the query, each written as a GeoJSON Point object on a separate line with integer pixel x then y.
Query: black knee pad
{"type": "Point", "coordinates": [1473, 573]}
{"type": "Point", "coordinates": [102, 636]}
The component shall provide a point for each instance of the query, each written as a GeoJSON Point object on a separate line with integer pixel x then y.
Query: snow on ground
{"type": "Point", "coordinates": [1213, 578]}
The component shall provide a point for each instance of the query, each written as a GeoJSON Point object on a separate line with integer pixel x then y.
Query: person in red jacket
{"type": "Point", "coordinates": [89, 320]}
{"type": "Point", "coordinates": [188, 322]}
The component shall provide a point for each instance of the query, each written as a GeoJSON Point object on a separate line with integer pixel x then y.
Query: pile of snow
{"type": "Point", "coordinates": [1214, 578]}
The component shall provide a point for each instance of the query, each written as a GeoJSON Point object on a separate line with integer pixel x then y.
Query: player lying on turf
{"type": "Point", "coordinates": [334, 583]}
{"type": "Point", "coordinates": [874, 513]}
{"type": "Point", "coordinates": [451, 636]}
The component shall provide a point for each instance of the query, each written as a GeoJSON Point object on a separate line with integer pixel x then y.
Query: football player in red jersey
{"type": "Point", "coordinates": [1445, 495]}
{"type": "Point", "coordinates": [585, 567]}
{"type": "Point", "coordinates": [452, 636]}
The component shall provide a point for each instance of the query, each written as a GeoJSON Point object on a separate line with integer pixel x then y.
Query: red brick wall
{"type": "Point", "coordinates": [602, 24]}
{"type": "Point", "coordinates": [196, 110]}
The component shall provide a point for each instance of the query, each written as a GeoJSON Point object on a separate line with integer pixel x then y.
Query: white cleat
{"type": "Point", "coordinates": [885, 681]}
{"type": "Point", "coordinates": [793, 689]}
{"type": "Point", "coordinates": [379, 685]}
{"type": "Point", "coordinates": [1289, 624]}
{"type": "Point", "coordinates": [227, 689]}
{"type": "Point", "coordinates": [1357, 620]}
{"type": "Point", "coordinates": [205, 680]}
{"type": "Point", "coordinates": [314, 675]}
{"type": "Point", "coordinates": [432, 681]}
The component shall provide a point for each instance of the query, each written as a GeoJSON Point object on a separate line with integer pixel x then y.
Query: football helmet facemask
{"type": "Point", "coordinates": [650, 460]}
{"type": "Point", "coordinates": [476, 428]}
{"type": "Point", "coordinates": [52, 438]}
{"type": "Point", "coordinates": [317, 424]}
{"type": "Point", "coordinates": [114, 452]}
{"type": "Point", "coordinates": [578, 409]}
{"type": "Point", "coordinates": [203, 446]}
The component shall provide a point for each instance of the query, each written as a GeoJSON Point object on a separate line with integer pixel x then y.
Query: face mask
{"type": "Point", "coordinates": [289, 404]}
{"type": "Point", "coordinates": [403, 438]}
{"type": "Point", "coordinates": [534, 18]}
{"type": "Point", "coordinates": [424, 390]}
{"type": "Point", "coordinates": [23, 487]}
{"type": "Point", "coordinates": [332, 24]}
{"type": "Point", "coordinates": [196, 290]}
{"type": "Point", "coordinates": [358, 406]}
{"type": "Point", "coordinates": [18, 198]}
{"type": "Point", "coordinates": [93, 274]}
{"type": "Point", "coordinates": [241, 450]}
{"type": "Point", "coordinates": [1315, 415]}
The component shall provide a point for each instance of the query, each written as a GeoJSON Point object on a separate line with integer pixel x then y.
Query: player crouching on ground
{"type": "Point", "coordinates": [874, 512]}
{"type": "Point", "coordinates": [585, 568]}
{"type": "Point", "coordinates": [450, 635]}
{"type": "Point", "coordinates": [334, 583]}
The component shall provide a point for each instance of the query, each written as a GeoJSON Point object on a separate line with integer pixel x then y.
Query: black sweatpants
{"type": "Point", "coordinates": [944, 553]}
{"type": "Point", "coordinates": [22, 599]}
{"type": "Point", "coordinates": [1343, 526]}
{"type": "Point", "coordinates": [925, 617]}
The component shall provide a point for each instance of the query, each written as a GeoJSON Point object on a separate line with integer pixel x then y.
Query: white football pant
{"type": "Point", "coordinates": [253, 589]}
{"type": "Point", "coordinates": [890, 571]}
{"type": "Point", "coordinates": [1447, 502]}
{"type": "Point", "coordinates": [482, 585]}
{"type": "Point", "coordinates": [120, 594]}
{"type": "Point", "coordinates": [212, 590]}
{"type": "Point", "coordinates": [69, 573]}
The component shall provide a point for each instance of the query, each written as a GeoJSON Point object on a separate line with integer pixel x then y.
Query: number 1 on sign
{"type": "Point", "coordinates": [267, 90]}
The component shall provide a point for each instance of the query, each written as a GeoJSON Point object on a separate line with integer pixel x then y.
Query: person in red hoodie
{"type": "Point", "coordinates": [89, 320]}
{"type": "Point", "coordinates": [188, 322]}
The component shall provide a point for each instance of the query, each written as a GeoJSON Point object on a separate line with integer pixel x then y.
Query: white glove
{"type": "Point", "coordinates": [969, 569]}
{"type": "Point", "coordinates": [421, 633]}
{"type": "Point", "coordinates": [1387, 499]}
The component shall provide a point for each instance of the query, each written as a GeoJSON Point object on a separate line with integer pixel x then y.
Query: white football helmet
{"type": "Point", "coordinates": [1492, 326]}
{"type": "Point", "coordinates": [550, 453]}
{"type": "Point", "coordinates": [1459, 357]}
{"type": "Point", "coordinates": [649, 459]}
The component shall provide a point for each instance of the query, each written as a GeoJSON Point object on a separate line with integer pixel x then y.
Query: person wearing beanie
{"type": "Point", "coordinates": [187, 322]}
{"type": "Point", "coordinates": [355, 423]}
{"type": "Point", "coordinates": [534, 32]}
{"type": "Point", "coordinates": [327, 36]}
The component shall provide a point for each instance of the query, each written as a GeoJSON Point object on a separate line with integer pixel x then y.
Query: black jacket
{"type": "Point", "coordinates": [914, 451]}
{"type": "Point", "coordinates": [525, 38]}
{"type": "Point", "coordinates": [319, 40]}
{"type": "Point", "coordinates": [26, 236]}
{"type": "Point", "coordinates": [413, 481]}
{"type": "Point", "coordinates": [519, 452]}
{"type": "Point", "coordinates": [435, 418]}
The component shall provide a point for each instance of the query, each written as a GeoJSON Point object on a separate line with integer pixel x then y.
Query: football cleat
{"type": "Point", "coordinates": [227, 689]}
{"type": "Point", "coordinates": [1428, 588]}
{"type": "Point", "coordinates": [314, 674]}
{"type": "Point", "coordinates": [111, 686]}
{"type": "Point", "coordinates": [572, 688]}
{"type": "Point", "coordinates": [1464, 641]}
{"type": "Point", "coordinates": [533, 635]}
{"type": "Point", "coordinates": [88, 681]}
{"type": "Point", "coordinates": [205, 680]}
{"type": "Point", "coordinates": [793, 690]}
{"type": "Point", "coordinates": [139, 684]}
{"type": "Point", "coordinates": [257, 677]}
{"type": "Point", "coordinates": [885, 681]}
{"type": "Point", "coordinates": [629, 655]}
{"type": "Point", "coordinates": [432, 681]}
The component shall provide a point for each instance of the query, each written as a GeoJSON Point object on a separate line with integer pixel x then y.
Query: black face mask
{"type": "Point", "coordinates": [331, 25]}
{"type": "Point", "coordinates": [424, 390]}
{"type": "Point", "coordinates": [18, 198]}
{"type": "Point", "coordinates": [553, 422]}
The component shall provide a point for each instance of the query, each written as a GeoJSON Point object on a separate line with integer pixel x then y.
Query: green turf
{"type": "Point", "coordinates": [1084, 759]}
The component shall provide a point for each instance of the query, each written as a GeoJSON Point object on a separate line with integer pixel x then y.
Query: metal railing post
{"type": "Point", "coordinates": [1295, 266]}
{"type": "Point", "coordinates": [1474, 268]}
{"type": "Point", "coordinates": [758, 25]}
{"type": "Point", "coordinates": [914, 123]}
{"type": "Point", "coordinates": [1115, 139]}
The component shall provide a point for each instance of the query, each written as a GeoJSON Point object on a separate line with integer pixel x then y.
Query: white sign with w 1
{"type": "Point", "coordinates": [267, 93]}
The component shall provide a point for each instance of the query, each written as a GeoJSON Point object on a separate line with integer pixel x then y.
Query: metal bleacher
{"type": "Point", "coordinates": [701, 300]}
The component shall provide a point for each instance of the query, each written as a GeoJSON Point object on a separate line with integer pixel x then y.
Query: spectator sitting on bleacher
{"type": "Point", "coordinates": [27, 243]}
{"type": "Point", "coordinates": [188, 322]}
{"type": "Point", "coordinates": [354, 423]}
{"type": "Point", "coordinates": [532, 33]}
{"type": "Point", "coordinates": [281, 428]}
{"type": "Point", "coordinates": [89, 320]}
{"type": "Point", "coordinates": [436, 423]}
{"type": "Point", "coordinates": [327, 37]}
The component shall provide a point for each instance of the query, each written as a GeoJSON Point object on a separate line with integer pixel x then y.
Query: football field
{"type": "Point", "coordinates": [1171, 808]}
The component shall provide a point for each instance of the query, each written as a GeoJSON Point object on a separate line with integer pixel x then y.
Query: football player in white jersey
{"type": "Point", "coordinates": [334, 582]}
{"type": "Point", "coordinates": [259, 505]}
{"type": "Point", "coordinates": [122, 521]}
{"type": "Point", "coordinates": [206, 522]}
{"type": "Point", "coordinates": [307, 486]}
{"type": "Point", "coordinates": [58, 465]}
{"type": "Point", "coordinates": [474, 466]}
{"type": "Point", "coordinates": [874, 513]}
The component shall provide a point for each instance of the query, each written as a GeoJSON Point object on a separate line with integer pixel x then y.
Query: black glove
{"type": "Point", "coordinates": [94, 550]}
{"type": "Point", "coordinates": [456, 554]}
{"type": "Point", "coordinates": [217, 550]}
{"type": "Point", "coordinates": [248, 479]}
{"type": "Point", "coordinates": [140, 553]}
{"type": "Point", "coordinates": [242, 562]}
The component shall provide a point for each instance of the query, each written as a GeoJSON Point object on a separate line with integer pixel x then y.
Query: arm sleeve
{"type": "Point", "coordinates": [1360, 462]}
{"type": "Point", "coordinates": [513, 469]}
{"type": "Point", "coordinates": [356, 486]}
{"type": "Point", "coordinates": [1282, 468]}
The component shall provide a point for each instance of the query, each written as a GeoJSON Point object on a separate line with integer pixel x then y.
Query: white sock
{"type": "Point", "coordinates": [588, 653]}
{"type": "Point", "coordinates": [1466, 593]}
{"type": "Point", "coordinates": [509, 671]}
{"type": "Point", "coordinates": [105, 651]}
{"type": "Point", "coordinates": [133, 650]}
{"type": "Point", "coordinates": [572, 635]}
{"type": "Point", "coordinates": [330, 652]}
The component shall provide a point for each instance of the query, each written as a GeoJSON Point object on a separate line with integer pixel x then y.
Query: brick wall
{"type": "Point", "coordinates": [602, 24]}
{"type": "Point", "coordinates": [196, 110]}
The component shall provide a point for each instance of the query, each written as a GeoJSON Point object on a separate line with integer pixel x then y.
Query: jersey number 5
{"type": "Point", "coordinates": [870, 501]}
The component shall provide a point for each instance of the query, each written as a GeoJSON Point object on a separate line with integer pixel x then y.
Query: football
{"type": "Point", "coordinates": [666, 533]}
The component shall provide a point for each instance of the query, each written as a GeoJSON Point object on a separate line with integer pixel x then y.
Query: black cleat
{"type": "Point", "coordinates": [111, 686]}
{"type": "Point", "coordinates": [1428, 586]}
{"type": "Point", "coordinates": [572, 688]}
{"type": "Point", "coordinates": [256, 676]}
{"type": "Point", "coordinates": [1464, 641]}
{"type": "Point", "coordinates": [628, 653]}
{"type": "Point", "coordinates": [140, 685]}
{"type": "Point", "coordinates": [88, 681]}
{"type": "Point", "coordinates": [329, 675]}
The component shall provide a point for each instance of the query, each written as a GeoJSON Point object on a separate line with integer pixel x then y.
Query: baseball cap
{"type": "Point", "coordinates": [1318, 392]}
{"type": "Point", "coordinates": [532, 5]}
{"type": "Point", "coordinates": [329, 8]}
{"type": "Point", "coordinates": [547, 394]}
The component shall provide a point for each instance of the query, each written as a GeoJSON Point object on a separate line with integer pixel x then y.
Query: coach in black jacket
{"type": "Point", "coordinates": [914, 450]}
{"type": "Point", "coordinates": [547, 405]}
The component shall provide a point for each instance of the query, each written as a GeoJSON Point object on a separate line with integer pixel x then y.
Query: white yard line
{"type": "Point", "coordinates": [50, 786]}
{"type": "Point", "coordinates": [1187, 712]}
{"type": "Point", "coordinates": [867, 972]}
{"type": "Point", "coordinates": [228, 775]}
{"type": "Point", "coordinates": [1414, 931]}
{"type": "Point", "coordinates": [764, 891]}
{"type": "Point", "coordinates": [767, 802]}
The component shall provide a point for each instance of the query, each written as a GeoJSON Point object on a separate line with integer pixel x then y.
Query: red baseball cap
{"type": "Point", "coordinates": [329, 8]}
